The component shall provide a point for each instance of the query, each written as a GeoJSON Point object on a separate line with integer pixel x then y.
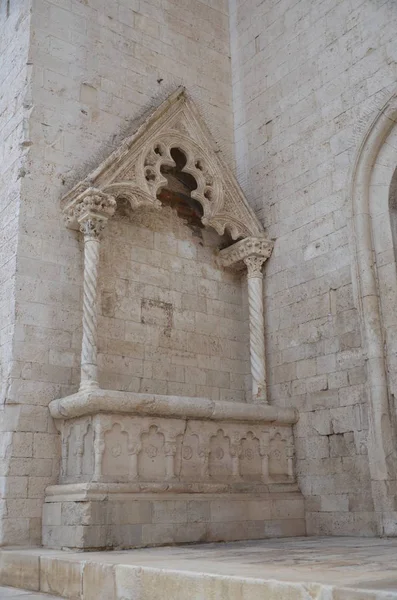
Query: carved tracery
{"type": "Point", "coordinates": [209, 191]}
{"type": "Point", "coordinates": [134, 171]}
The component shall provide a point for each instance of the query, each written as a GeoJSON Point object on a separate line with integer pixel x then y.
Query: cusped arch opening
{"type": "Point", "coordinates": [176, 193]}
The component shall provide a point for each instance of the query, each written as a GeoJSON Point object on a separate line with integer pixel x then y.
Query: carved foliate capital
{"type": "Point", "coordinates": [251, 252]}
{"type": "Point", "coordinates": [254, 265]}
{"type": "Point", "coordinates": [90, 212]}
{"type": "Point", "coordinates": [92, 226]}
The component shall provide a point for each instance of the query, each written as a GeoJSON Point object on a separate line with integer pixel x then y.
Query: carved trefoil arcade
{"type": "Point", "coordinates": [154, 451]}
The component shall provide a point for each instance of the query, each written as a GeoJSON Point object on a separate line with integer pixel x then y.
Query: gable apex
{"type": "Point", "coordinates": [134, 170]}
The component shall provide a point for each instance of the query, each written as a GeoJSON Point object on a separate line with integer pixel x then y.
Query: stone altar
{"type": "Point", "coordinates": [144, 470]}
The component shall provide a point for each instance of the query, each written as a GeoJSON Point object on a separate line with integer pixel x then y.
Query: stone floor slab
{"type": "Point", "coordinates": [15, 594]}
{"type": "Point", "coordinates": [278, 569]}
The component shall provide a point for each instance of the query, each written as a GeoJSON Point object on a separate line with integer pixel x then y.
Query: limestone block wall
{"type": "Point", "coordinates": [78, 76]}
{"type": "Point", "coordinates": [307, 76]}
{"type": "Point", "coordinates": [97, 69]}
{"type": "Point", "coordinates": [17, 514]}
{"type": "Point", "coordinates": [14, 79]}
{"type": "Point", "coordinates": [171, 321]}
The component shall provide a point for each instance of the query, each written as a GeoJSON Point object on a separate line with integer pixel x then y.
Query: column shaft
{"type": "Point", "coordinates": [89, 365]}
{"type": "Point", "coordinates": [257, 337]}
{"type": "Point", "coordinates": [253, 252]}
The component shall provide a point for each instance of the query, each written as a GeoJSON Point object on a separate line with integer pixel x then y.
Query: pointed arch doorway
{"type": "Point", "coordinates": [373, 193]}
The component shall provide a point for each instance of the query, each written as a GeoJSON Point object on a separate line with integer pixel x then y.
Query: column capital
{"type": "Point", "coordinates": [251, 252]}
{"type": "Point", "coordinates": [254, 265]}
{"type": "Point", "coordinates": [92, 226]}
{"type": "Point", "coordinates": [90, 212]}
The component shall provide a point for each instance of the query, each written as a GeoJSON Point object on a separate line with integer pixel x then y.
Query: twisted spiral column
{"type": "Point", "coordinates": [90, 211]}
{"type": "Point", "coordinates": [91, 227]}
{"type": "Point", "coordinates": [256, 326]}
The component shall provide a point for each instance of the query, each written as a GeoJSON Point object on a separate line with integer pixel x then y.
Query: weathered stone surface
{"type": "Point", "coordinates": [322, 569]}
{"type": "Point", "coordinates": [61, 577]}
{"type": "Point", "coordinates": [8, 592]}
{"type": "Point", "coordinates": [130, 480]}
{"type": "Point", "coordinates": [165, 526]}
{"type": "Point", "coordinates": [98, 582]}
{"type": "Point", "coordinates": [299, 100]}
{"type": "Point", "coordinates": [20, 570]}
{"type": "Point", "coordinates": [169, 518]}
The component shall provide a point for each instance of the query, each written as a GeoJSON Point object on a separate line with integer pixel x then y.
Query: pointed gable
{"type": "Point", "coordinates": [134, 170]}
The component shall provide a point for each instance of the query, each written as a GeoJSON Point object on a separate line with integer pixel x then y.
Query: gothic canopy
{"type": "Point", "coordinates": [135, 171]}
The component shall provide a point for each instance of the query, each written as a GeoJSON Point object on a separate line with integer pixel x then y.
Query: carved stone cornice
{"type": "Point", "coordinates": [90, 211]}
{"type": "Point", "coordinates": [251, 252]}
{"type": "Point", "coordinates": [155, 405]}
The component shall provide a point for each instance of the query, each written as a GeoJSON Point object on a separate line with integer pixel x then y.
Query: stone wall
{"type": "Point", "coordinates": [78, 77]}
{"type": "Point", "coordinates": [307, 76]}
{"type": "Point", "coordinates": [97, 69]}
{"type": "Point", "coordinates": [171, 321]}
{"type": "Point", "coordinates": [14, 77]}
{"type": "Point", "coordinates": [15, 109]}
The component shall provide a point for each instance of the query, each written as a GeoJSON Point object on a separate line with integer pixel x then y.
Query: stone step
{"type": "Point", "coordinates": [278, 569]}
{"type": "Point", "coordinates": [16, 594]}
